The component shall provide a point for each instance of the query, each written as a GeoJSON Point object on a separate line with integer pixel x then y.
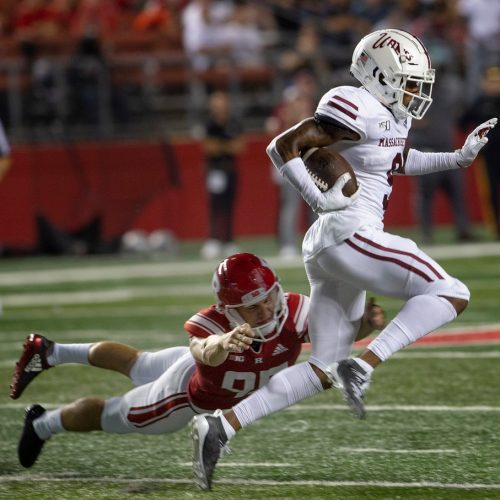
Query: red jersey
{"type": "Point", "coordinates": [213, 387]}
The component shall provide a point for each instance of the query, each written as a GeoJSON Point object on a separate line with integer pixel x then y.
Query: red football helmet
{"type": "Point", "coordinates": [244, 279]}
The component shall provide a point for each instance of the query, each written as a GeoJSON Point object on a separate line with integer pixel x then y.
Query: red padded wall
{"type": "Point", "coordinates": [134, 185]}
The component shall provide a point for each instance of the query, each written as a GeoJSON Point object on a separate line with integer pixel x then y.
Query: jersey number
{"type": "Point", "coordinates": [249, 380]}
{"type": "Point", "coordinates": [397, 162]}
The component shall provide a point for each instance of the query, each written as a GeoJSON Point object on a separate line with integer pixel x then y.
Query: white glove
{"type": "Point", "coordinates": [475, 141]}
{"type": "Point", "coordinates": [334, 199]}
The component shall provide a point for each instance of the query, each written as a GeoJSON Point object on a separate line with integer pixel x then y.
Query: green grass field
{"type": "Point", "coordinates": [433, 424]}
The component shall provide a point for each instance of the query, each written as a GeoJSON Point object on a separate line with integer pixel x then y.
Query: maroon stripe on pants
{"type": "Point", "coordinates": [400, 252]}
{"type": "Point", "coordinates": [156, 403]}
{"type": "Point", "coordinates": [165, 414]}
{"type": "Point", "coordinates": [389, 259]}
{"type": "Point", "coordinates": [158, 411]}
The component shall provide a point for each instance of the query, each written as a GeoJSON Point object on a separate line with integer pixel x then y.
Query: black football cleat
{"type": "Point", "coordinates": [32, 362]}
{"type": "Point", "coordinates": [30, 445]}
{"type": "Point", "coordinates": [209, 443]}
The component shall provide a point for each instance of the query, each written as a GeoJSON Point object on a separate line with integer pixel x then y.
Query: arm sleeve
{"type": "Point", "coordinates": [294, 171]}
{"type": "Point", "coordinates": [419, 163]}
{"type": "Point", "coordinates": [296, 174]}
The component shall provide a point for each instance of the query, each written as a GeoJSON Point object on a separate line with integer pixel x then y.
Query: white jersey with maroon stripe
{"type": "Point", "coordinates": [348, 252]}
{"type": "Point", "coordinates": [213, 387]}
{"type": "Point", "coordinates": [374, 157]}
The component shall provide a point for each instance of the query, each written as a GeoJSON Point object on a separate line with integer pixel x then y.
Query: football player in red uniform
{"type": "Point", "coordinates": [253, 331]}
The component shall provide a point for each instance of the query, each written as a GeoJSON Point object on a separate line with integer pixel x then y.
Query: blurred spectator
{"type": "Point", "coordinates": [202, 25]}
{"type": "Point", "coordinates": [40, 26]}
{"type": "Point", "coordinates": [373, 10]}
{"type": "Point", "coordinates": [487, 105]}
{"type": "Point", "coordinates": [403, 15]}
{"type": "Point", "coordinates": [299, 102]}
{"type": "Point", "coordinates": [483, 44]}
{"type": "Point", "coordinates": [45, 98]}
{"type": "Point", "coordinates": [88, 81]}
{"type": "Point", "coordinates": [154, 15]}
{"type": "Point", "coordinates": [341, 30]}
{"type": "Point", "coordinates": [158, 16]}
{"type": "Point", "coordinates": [38, 19]}
{"type": "Point", "coordinates": [5, 159]}
{"type": "Point", "coordinates": [95, 19]}
{"type": "Point", "coordinates": [305, 53]}
{"type": "Point", "coordinates": [222, 145]}
{"type": "Point", "coordinates": [288, 18]}
{"type": "Point", "coordinates": [218, 33]}
{"type": "Point", "coordinates": [434, 133]}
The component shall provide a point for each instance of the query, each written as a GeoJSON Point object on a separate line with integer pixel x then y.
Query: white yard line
{"type": "Point", "coordinates": [247, 464]}
{"type": "Point", "coordinates": [445, 354]}
{"type": "Point", "coordinates": [403, 408]}
{"type": "Point", "coordinates": [402, 452]}
{"type": "Point", "coordinates": [333, 407]}
{"type": "Point", "coordinates": [250, 482]}
{"type": "Point", "coordinates": [121, 294]}
{"type": "Point", "coordinates": [119, 272]}
{"type": "Point", "coordinates": [190, 268]}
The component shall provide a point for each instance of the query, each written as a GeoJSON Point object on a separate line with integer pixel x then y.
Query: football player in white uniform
{"type": "Point", "coordinates": [347, 251]}
{"type": "Point", "coordinates": [236, 345]}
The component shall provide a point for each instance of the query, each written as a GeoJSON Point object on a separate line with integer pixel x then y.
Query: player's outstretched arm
{"type": "Point", "coordinates": [419, 163]}
{"type": "Point", "coordinates": [214, 349]}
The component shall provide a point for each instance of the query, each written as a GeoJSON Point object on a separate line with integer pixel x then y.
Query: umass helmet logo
{"type": "Point", "coordinates": [386, 40]}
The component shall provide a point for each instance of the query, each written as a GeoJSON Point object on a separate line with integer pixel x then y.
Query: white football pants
{"type": "Point", "coordinates": [371, 260]}
{"type": "Point", "coordinates": [161, 404]}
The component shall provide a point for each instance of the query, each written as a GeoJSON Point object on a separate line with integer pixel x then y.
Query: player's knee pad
{"type": "Point", "coordinates": [449, 287]}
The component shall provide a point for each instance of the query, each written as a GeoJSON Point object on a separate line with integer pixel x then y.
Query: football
{"type": "Point", "coordinates": [325, 166]}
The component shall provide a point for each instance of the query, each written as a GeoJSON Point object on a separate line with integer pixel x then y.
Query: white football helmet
{"type": "Point", "coordinates": [385, 62]}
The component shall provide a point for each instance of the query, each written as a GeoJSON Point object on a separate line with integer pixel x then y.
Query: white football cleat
{"type": "Point", "coordinates": [353, 381]}
{"type": "Point", "coordinates": [209, 444]}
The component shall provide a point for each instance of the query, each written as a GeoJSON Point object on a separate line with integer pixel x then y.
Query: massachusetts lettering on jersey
{"type": "Point", "coordinates": [390, 142]}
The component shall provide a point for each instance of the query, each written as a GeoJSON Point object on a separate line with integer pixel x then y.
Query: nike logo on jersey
{"type": "Point", "coordinates": [279, 349]}
{"type": "Point", "coordinates": [35, 365]}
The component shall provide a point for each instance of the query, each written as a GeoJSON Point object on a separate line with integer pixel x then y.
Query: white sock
{"type": "Point", "coordinates": [230, 432]}
{"type": "Point", "coordinates": [69, 353]}
{"type": "Point", "coordinates": [418, 317]}
{"type": "Point", "coordinates": [284, 389]}
{"type": "Point", "coordinates": [366, 366]}
{"type": "Point", "coordinates": [48, 424]}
